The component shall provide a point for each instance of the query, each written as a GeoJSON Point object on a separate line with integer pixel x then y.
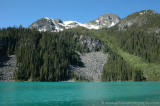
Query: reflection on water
{"type": "Point", "coordinates": [65, 93]}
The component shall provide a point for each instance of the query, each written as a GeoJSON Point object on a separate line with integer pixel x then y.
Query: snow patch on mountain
{"type": "Point", "coordinates": [90, 26]}
{"type": "Point", "coordinates": [69, 22]}
{"type": "Point", "coordinates": [47, 18]}
{"type": "Point", "coordinates": [142, 13]}
{"type": "Point", "coordinates": [112, 24]}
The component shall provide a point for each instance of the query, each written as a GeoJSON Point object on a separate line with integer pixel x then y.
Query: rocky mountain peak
{"type": "Point", "coordinates": [106, 20]}
{"type": "Point", "coordinates": [47, 24]}
{"type": "Point", "coordinates": [138, 18]}
{"type": "Point", "coordinates": [110, 16]}
{"type": "Point", "coordinates": [59, 20]}
{"type": "Point", "coordinates": [147, 12]}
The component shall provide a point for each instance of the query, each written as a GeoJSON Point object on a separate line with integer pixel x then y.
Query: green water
{"type": "Point", "coordinates": [65, 93]}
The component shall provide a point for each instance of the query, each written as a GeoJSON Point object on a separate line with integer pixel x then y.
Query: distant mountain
{"type": "Point", "coordinates": [145, 18]}
{"type": "Point", "coordinates": [48, 24]}
{"type": "Point", "coordinates": [105, 21]}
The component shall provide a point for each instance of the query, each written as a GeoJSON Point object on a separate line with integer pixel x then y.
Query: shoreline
{"type": "Point", "coordinates": [70, 80]}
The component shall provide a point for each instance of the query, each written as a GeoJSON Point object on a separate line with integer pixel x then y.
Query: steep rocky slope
{"type": "Point", "coordinates": [93, 66]}
{"type": "Point", "coordinates": [7, 67]}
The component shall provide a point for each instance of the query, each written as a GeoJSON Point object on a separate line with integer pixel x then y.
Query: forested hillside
{"type": "Point", "coordinates": [133, 48]}
{"type": "Point", "coordinates": [44, 56]}
{"type": "Point", "coordinates": [135, 43]}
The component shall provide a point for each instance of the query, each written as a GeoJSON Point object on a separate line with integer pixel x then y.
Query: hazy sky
{"type": "Point", "coordinates": [24, 12]}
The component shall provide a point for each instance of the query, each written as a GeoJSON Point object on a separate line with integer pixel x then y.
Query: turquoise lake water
{"type": "Point", "coordinates": [80, 93]}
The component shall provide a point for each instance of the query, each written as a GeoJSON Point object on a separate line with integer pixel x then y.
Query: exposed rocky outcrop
{"type": "Point", "coordinates": [93, 66]}
{"type": "Point", "coordinates": [7, 67]}
{"type": "Point", "coordinates": [93, 44]}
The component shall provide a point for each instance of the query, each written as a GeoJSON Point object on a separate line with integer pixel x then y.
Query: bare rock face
{"type": "Point", "coordinates": [7, 67]}
{"type": "Point", "coordinates": [93, 66]}
{"type": "Point", "coordinates": [93, 44]}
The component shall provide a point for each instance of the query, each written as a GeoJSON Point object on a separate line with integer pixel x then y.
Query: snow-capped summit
{"type": "Point", "coordinates": [48, 24]}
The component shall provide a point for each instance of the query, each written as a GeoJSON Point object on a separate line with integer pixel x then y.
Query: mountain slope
{"type": "Point", "coordinates": [135, 41]}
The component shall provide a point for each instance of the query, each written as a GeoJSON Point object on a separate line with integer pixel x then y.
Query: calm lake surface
{"type": "Point", "coordinates": [80, 93]}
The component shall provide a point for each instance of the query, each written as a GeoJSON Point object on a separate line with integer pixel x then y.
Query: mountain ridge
{"type": "Point", "coordinates": [56, 25]}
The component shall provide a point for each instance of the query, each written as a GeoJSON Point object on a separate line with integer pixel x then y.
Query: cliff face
{"type": "Point", "coordinates": [93, 44]}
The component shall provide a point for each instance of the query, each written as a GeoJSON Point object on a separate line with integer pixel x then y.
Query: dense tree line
{"type": "Point", "coordinates": [116, 69]}
{"type": "Point", "coordinates": [141, 39]}
{"type": "Point", "coordinates": [141, 43]}
{"type": "Point", "coordinates": [8, 40]}
{"type": "Point", "coordinates": [43, 56]}
{"type": "Point", "coordinates": [49, 57]}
